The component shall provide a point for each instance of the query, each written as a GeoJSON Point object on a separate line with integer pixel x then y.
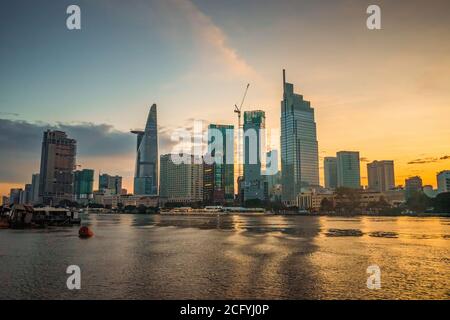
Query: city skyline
{"type": "Point", "coordinates": [373, 82]}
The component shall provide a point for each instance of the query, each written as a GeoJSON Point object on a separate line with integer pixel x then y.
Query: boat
{"type": "Point", "coordinates": [49, 216]}
{"type": "Point", "coordinates": [20, 216]}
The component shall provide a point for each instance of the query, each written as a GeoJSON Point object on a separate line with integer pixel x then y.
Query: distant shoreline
{"type": "Point", "coordinates": [260, 214]}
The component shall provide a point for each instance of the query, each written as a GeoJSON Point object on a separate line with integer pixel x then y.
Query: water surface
{"type": "Point", "coordinates": [230, 257]}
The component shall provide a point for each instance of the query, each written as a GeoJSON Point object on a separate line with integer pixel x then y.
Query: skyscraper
{"type": "Point", "coordinates": [57, 165]}
{"type": "Point", "coordinates": [330, 172]}
{"type": "Point", "coordinates": [27, 194]}
{"type": "Point", "coordinates": [14, 195]}
{"type": "Point", "coordinates": [443, 181]}
{"type": "Point", "coordinates": [223, 166]}
{"type": "Point", "coordinates": [146, 172]}
{"type": "Point", "coordinates": [110, 184]}
{"type": "Point", "coordinates": [254, 121]}
{"type": "Point", "coordinates": [299, 146]}
{"type": "Point", "coordinates": [348, 170]}
{"type": "Point", "coordinates": [84, 185]}
{"type": "Point", "coordinates": [380, 175]}
{"type": "Point", "coordinates": [35, 188]}
{"type": "Point", "coordinates": [182, 183]}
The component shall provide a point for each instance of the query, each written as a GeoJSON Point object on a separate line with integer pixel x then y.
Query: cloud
{"type": "Point", "coordinates": [212, 36]}
{"type": "Point", "coordinates": [20, 142]}
{"type": "Point", "coordinates": [12, 114]}
{"type": "Point", "coordinates": [423, 160]}
{"type": "Point", "coordinates": [364, 159]}
{"type": "Point", "coordinates": [429, 159]}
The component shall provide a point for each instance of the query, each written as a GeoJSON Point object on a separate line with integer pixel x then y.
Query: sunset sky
{"type": "Point", "coordinates": [385, 93]}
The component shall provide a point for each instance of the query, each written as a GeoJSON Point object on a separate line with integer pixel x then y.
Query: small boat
{"type": "Point", "coordinates": [85, 232]}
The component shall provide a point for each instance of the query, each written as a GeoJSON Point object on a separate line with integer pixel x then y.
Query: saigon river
{"type": "Point", "coordinates": [230, 257]}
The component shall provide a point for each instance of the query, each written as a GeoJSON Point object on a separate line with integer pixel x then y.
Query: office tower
{"type": "Point", "coordinates": [443, 181]}
{"type": "Point", "coordinates": [35, 188]}
{"type": "Point", "coordinates": [330, 172]}
{"type": "Point", "coordinates": [413, 185]}
{"type": "Point", "coordinates": [254, 121]}
{"type": "Point", "coordinates": [272, 176]}
{"type": "Point", "coordinates": [380, 175]}
{"type": "Point", "coordinates": [84, 185]}
{"type": "Point", "coordinates": [182, 183]}
{"type": "Point", "coordinates": [299, 146]}
{"type": "Point", "coordinates": [110, 184]}
{"type": "Point", "coordinates": [57, 165]}
{"type": "Point", "coordinates": [27, 194]}
{"type": "Point", "coordinates": [146, 171]}
{"type": "Point", "coordinates": [208, 183]}
{"type": "Point", "coordinates": [14, 196]}
{"type": "Point", "coordinates": [221, 149]}
{"type": "Point", "coordinates": [348, 172]}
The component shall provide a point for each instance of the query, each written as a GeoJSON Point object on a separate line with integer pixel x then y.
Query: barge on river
{"type": "Point", "coordinates": [24, 216]}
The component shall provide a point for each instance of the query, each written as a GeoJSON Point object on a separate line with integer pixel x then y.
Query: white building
{"type": "Point", "coordinates": [443, 181]}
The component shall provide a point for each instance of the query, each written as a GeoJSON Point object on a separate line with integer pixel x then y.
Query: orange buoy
{"type": "Point", "coordinates": [85, 232]}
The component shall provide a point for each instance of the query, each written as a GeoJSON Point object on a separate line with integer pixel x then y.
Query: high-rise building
{"type": "Point", "coordinates": [222, 151]}
{"type": "Point", "coordinates": [272, 176]}
{"type": "Point", "coordinates": [412, 186]}
{"type": "Point", "coordinates": [380, 175]}
{"type": "Point", "coordinates": [84, 185]}
{"type": "Point", "coordinates": [299, 146]}
{"type": "Point", "coordinates": [208, 183]}
{"type": "Point", "coordinates": [35, 188]}
{"type": "Point", "coordinates": [330, 172]}
{"type": "Point", "coordinates": [443, 181]}
{"type": "Point", "coordinates": [146, 171]}
{"type": "Point", "coordinates": [27, 194]}
{"type": "Point", "coordinates": [15, 195]}
{"type": "Point", "coordinates": [57, 165]}
{"type": "Point", "coordinates": [348, 170]}
{"type": "Point", "coordinates": [110, 184]}
{"type": "Point", "coordinates": [182, 183]}
{"type": "Point", "coordinates": [5, 201]}
{"type": "Point", "coordinates": [254, 121]}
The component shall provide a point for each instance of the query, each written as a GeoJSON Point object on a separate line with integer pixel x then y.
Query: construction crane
{"type": "Point", "coordinates": [238, 110]}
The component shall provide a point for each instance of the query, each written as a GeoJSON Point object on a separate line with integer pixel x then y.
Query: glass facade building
{"type": "Point", "coordinates": [83, 184]}
{"type": "Point", "coordinates": [348, 169]}
{"type": "Point", "coordinates": [222, 151]}
{"type": "Point", "coordinates": [330, 172]}
{"type": "Point", "coordinates": [299, 146]}
{"type": "Point", "coordinates": [254, 121]}
{"type": "Point", "coordinates": [146, 171]}
{"type": "Point", "coordinates": [110, 184]}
